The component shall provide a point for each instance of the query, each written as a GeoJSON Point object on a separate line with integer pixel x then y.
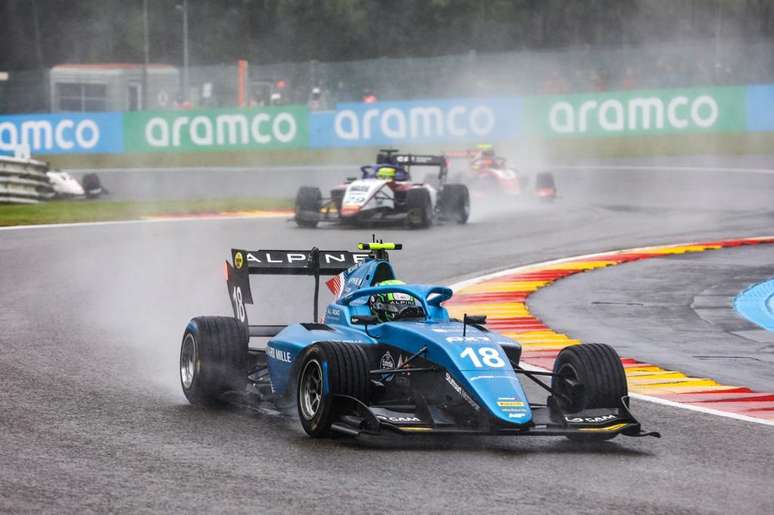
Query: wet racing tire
{"type": "Point", "coordinates": [420, 208]}
{"type": "Point", "coordinates": [597, 367]}
{"type": "Point", "coordinates": [308, 205]}
{"type": "Point", "coordinates": [92, 186]}
{"type": "Point", "coordinates": [328, 369]}
{"type": "Point", "coordinates": [213, 359]}
{"type": "Point", "coordinates": [455, 203]}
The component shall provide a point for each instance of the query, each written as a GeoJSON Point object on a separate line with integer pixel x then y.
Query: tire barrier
{"type": "Point", "coordinates": [23, 181]}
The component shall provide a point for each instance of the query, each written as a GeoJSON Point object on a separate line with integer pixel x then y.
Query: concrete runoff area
{"type": "Point", "coordinates": [94, 418]}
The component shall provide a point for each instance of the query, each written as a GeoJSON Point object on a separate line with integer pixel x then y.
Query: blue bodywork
{"type": "Point", "coordinates": [476, 366]}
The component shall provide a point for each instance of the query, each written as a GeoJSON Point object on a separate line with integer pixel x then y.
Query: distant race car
{"type": "Point", "coordinates": [487, 173]}
{"type": "Point", "coordinates": [385, 193]}
{"type": "Point", "coordinates": [388, 358]}
{"type": "Point", "coordinates": [66, 186]}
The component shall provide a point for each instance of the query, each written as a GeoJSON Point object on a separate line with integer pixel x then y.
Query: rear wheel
{"type": "Point", "coordinates": [92, 185]}
{"type": "Point", "coordinates": [598, 369]}
{"type": "Point", "coordinates": [431, 179]}
{"type": "Point", "coordinates": [328, 369]}
{"type": "Point", "coordinates": [213, 359]}
{"type": "Point", "coordinates": [420, 208]}
{"type": "Point", "coordinates": [308, 205]}
{"type": "Point", "coordinates": [455, 203]}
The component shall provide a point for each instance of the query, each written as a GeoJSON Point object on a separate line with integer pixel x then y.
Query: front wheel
{"type": "Point", "coordinates": [329, 369]}
{"type": "Point", "coordinates": [597, 368]}
{"type": "Point", "coordinates": [308, 205]}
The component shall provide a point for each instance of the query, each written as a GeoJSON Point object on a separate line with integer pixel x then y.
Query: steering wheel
{"type": "Point", "coordinates": [409, 312]}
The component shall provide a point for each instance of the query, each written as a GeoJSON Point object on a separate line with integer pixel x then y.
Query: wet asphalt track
{"type": "Point", "coordinates": [92, 417]}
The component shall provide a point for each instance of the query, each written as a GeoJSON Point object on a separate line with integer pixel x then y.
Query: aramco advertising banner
{"type": "Point", "coordinates": [742, 109]}
{"type": "Point", "coordinates": [396, 123]}
{"type": "Point", "coordinates": [62, 133]}
{"type": "Point", "coordinates": [760, 109]}
{"type": "Point", "coordinates": [216, 130]}
{"type": "Point", "coordinates": [635, 113]}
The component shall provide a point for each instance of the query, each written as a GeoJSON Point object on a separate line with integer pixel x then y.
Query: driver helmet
{"type": "Point", "coordinates": [386, 173]}
{"type": "Point", "coordinates": [487, 151]}
{"type": "Point", "coordinates": [386, 306]}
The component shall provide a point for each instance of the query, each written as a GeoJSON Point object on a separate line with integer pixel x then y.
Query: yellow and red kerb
{"type": "Point", "coordinates": [503, 299]}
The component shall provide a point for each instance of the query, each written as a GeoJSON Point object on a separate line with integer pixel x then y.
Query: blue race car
{"type": "Point", "coordinates": [387, 357]}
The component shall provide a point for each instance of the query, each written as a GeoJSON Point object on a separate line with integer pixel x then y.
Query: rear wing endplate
{"type": "Point", "coordinates": [314, 262]}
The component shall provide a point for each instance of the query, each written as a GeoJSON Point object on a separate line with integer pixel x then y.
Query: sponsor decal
{"type": "Point", "coordinates": [473, 339]}
{"type": "Point", "coordinates": [239, 260]}
{"type": "Point", "coordinates": [489, 377]}
{"type": "Point", "coordinates": [510, 404]}
{"type": "Point", "coordinates": [462, 393]}
{"type": "Point", "coordinates": [399, 420]}
{"type": "Point", "coordinates": [638, 112]}
{"type": "Point", "coordinates": [387, 362]}
{"type": "Point", "coordinates": [279, 355]}
{"type": "Point", "coordinates": [517, 415]}
{"type": "Point", "coordinates": [591, 420]}
{"type": "Point", "coordinates": [333, 311]}
{"type": "Point", "coordinates": [442, 329]}
{"type": "Point", "coordinates": [212, 130]}
{"type": "Point", "coordinates": [65, 133]}
{"type": "Point", "coordinates": [328, 259]}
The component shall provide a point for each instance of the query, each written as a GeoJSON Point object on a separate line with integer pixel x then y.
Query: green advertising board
{"type": "Point", "coordinates": [625, 113]}
{"type": "Point", "coordinates": [216, 129]}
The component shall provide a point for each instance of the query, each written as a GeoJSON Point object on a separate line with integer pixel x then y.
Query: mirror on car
{"type": "Point", "coordinates": [475, 319]}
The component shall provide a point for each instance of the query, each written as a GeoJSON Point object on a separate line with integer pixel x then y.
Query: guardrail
{"type": "Point", "coordinates": [24, 181]}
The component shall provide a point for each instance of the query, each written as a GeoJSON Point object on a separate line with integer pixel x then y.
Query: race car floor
{"type": "Point", "coordinates": [92, 417]}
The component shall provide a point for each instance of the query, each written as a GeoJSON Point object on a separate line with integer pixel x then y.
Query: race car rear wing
{"type": "Point", "coordinates": [314, 262]}
{"type": "Point", "coordinates": [420, 160]}
{"type": "Point", "coordinates": [409, 160]}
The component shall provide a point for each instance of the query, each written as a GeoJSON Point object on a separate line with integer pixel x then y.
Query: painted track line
{"type": "Point", "coordinates": [656, 168]}
{"type": "Point", "coordinates": [502, 295]}
{"type": "Point", "coordinates": [151, 220]}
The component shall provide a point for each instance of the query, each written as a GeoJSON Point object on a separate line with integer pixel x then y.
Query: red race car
{"type": "Point", "coordinates": [487, 173]}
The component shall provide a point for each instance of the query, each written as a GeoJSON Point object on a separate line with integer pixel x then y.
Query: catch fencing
{"type": "Point", "coordinates": [516, 73]}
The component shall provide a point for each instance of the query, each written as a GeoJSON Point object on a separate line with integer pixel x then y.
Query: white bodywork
{"type": "Point", "coordinates": [65, 185]}
{"type": "Point", "coordinates": [367, 194]}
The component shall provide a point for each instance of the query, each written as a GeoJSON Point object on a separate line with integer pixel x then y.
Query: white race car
{"type": "Point", "coordinates": [385, 193]}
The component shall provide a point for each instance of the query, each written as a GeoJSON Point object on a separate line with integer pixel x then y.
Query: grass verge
{"type": "Point", "coordinates": [69, 211]}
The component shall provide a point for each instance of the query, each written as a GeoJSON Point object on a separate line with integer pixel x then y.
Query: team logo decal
{"type": "Point", "coordinates": [239, 260]}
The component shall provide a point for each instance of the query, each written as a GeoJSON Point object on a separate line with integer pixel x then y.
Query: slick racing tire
{"type": "Point", "coordinates": [598, 368]}
{"type": "Point", "coordinates": [308, 200]}
{"type": "Point", "coordinates": [420, 208]}
{"type": "Point", "coordinates": [213, 359]}
{"type": "Point", "coordinates": [455, 203]}
{"type": "Point", "coordinates": [328, 369]}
